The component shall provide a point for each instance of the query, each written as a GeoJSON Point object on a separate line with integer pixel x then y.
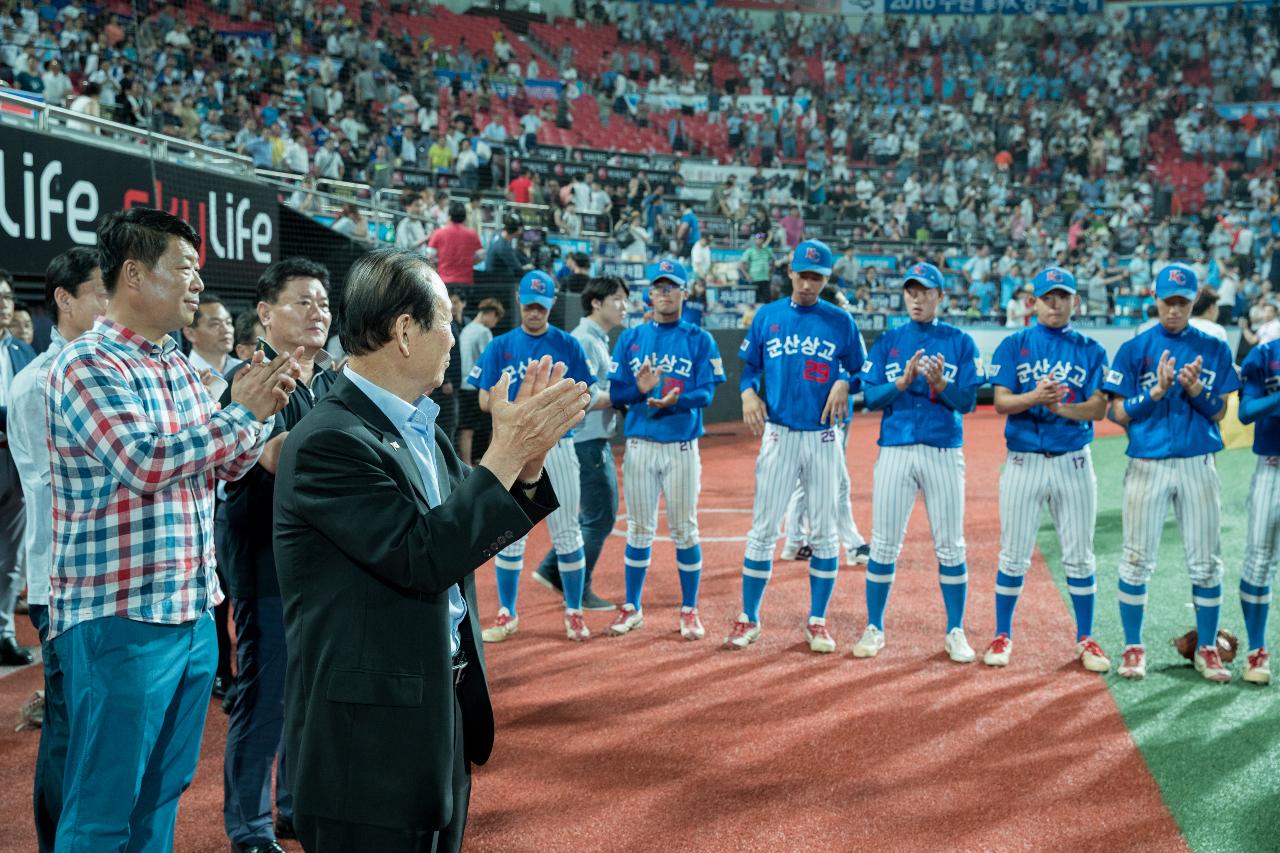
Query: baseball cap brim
{"type": "Point", "coordinates": [1065, 288]}
{"type": "Point", "coordinates": [920, 280]}
{"type": "Point", "coordinates": [677, 282]}
{"type": "Point", "coordinates": [809, 266]}
{"type": "Point", "coordinates": [1187, 293]}
{"type": "Point", "coordinates": [536, 299]}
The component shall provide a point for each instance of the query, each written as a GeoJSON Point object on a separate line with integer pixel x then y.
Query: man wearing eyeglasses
{"type": "Point", "coordinates": [14, 355]}
{"type": "Point", "coordinates": [211, 335]}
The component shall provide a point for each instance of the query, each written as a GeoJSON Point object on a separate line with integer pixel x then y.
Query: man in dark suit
{"type": "Point", "coordinates": [15, 354]}
{"type": "Point", "coordinates": [379, 527]}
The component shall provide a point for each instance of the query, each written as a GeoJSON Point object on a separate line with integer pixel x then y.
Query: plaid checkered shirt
{"type": "Point", "coordinates": [136, 444]}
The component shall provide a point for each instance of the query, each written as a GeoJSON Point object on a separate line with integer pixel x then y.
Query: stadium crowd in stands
{"type": "Point", "coordinates": [1082, 140]}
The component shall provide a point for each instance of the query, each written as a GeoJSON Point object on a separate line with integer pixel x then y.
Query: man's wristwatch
{"type": "Point", "coordinates": [525, 484]}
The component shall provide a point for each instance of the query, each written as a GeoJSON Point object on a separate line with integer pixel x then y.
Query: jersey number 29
{"type": "Point", "coordinates": [817, 371]}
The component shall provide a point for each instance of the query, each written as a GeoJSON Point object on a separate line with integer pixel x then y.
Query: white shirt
{"type": "Point", "coordinates": [200, 363]}
{"type": "Point", "coordinates": [1211, 328]}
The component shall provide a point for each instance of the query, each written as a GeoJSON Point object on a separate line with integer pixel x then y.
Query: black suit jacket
{"type": "Point", "coordinates": [365, 569]}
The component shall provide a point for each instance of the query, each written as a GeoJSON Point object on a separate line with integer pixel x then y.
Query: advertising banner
{"type": "Point", "coordinates": [53, 192]}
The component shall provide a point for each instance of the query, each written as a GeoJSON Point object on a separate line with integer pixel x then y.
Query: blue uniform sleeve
{"type": "Point", "coordinates": [708, 372]}
{"type": "Point", "coordinates": [622, 382]}
{"type": "Point", "coordinates": [873, 364]}
{"type": "Point", "coordinates": [486, 372]}
{"type": "Point", "coordinates": [969, 372]}
{"type": "Point", "coordinates": [1122, 378]}
{"type": "Point", "coordinates": [752, 354]}
{"type": "Point", "coordinates": [1255, 402]}
{"type": "Point", "coordinates": [1004, 371]}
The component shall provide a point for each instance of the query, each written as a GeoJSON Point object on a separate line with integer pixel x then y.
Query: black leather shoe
{"type": "Point", "coordinates": [11, 654]}
{"type": "Point", "coordinates": [269, 847]}
{"type": "Point", "coordinates": [219, 687]}
{"type": "Point", "coordinates": [591, 601]}
{"type": "Point", "coordinates": [284, 829]}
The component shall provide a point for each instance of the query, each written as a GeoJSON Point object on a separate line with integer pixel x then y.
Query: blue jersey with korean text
{"type": "Point", "coordinates": [514, 351]}
{"type": "Point", "coordinates": [917, 416]}
{"type": "Point", "coordinates": [688, 359]}
{"type": "Point", "coordinates": [1064, 355]}
{"type": "Point", "coordinates": [1261, 374]}
{"type": "Point", "coordinates": [1174, 430]}
{"type": "Point", "coordinates": [800, 351]}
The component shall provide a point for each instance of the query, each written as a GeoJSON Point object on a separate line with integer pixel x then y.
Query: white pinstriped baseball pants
{"type": "Point", "coordinates": [785, 454]}
{"type": "Point", "coordinates": [1263, 543]}
{"type": "Point", "coordinates": [1067, 483]}
{"type": "Point", "coordinates": [1192, 485]}
{"type": "Point", "coordinates": [900, 473]}
{"type": "Point", "coordinates": [846, 528]}
{"type": "Point", "coordinates": [566, 534]}
{"type": "Point", "coordinates": [672, 470]}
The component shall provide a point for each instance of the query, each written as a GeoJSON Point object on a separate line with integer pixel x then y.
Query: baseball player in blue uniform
{"type": "Point", "coordinates": [1048, 380]}
{"type": "Point", "coordinates": [512, 353]}
{"type": "Point", "coordinates": [808, 353]}
{"type": "Point", "coordinates": [665, 372]}
{"type": "Point", "coordinates": [1169, 387]}
{"type": "Point", "coordinates": [925, 377]}
{"type": "Point", "coordinates": [1260, 406]}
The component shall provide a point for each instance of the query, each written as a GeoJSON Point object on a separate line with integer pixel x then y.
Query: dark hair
{"type": "Point", "coordinates": [489, 305]}
{"type": "Point", "coordinates": [6, 276]}
{"type": "Point", "coordinates": [138, 234]}
{"type": "Point", "coordinates": [1204, 303]}
{"type": "Point", "coordinates": [69, 270]}
{"type": "Point", "coordinates": [601, 287]}
{"type": "Point", "coordinates": [457, 211]}
{"type": "Point", "coordinates": [276, 277]}
{"type": "Point", "coordinates": [244, 328]}
{"type": "Point", "coordinates": [206, 298]}
{"type": "Point", "coordinates": [380, 287]}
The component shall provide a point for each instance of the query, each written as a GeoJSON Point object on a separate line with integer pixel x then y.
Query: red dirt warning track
{"type": "Point", "coordinates": [647, 741]}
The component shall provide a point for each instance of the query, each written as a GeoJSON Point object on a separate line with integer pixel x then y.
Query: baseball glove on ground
{"type": "Point", "coordinates": [1227, 644]}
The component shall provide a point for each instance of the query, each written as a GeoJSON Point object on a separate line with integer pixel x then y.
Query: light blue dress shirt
{"type": "Point", "coordinates": [417, 426]}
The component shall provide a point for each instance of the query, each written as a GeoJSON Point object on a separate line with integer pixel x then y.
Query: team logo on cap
{"type": "Point", "coordinates": [1177, 276]}
{"type": "Point", "coordinates": [666, 266]}
{"type": "Point", "coordinates": [918, 269]}
{"type": "Point", "coordinates": [538, 286]}
{"type": "Point", "coordinates": [811, 252]}
{"type": "Point", "coordinates": [1053, 275]}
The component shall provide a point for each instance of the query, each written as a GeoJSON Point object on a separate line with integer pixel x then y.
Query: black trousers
{"type": "Point", "coordinates": [324, 835]}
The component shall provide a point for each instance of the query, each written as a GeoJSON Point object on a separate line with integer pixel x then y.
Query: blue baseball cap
{"type": "Point", "coordinates": [537, 288]}
{"type": "Point", "coordinates": [1177, 280]}
{"type": "Point", "coordinates": [1050, 279]}
{"type": "Point", "coordinates": [926, 274]}
{"type": "Point", "coordinates": [667, 268]}
{"type": "Point", "coordinates": [812, 255]}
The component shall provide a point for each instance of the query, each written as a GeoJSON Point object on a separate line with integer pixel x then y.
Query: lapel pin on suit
{"type": "Point", "coordinates": [395, 445]}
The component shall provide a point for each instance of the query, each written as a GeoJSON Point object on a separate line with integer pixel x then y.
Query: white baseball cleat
{"type": "Point", "coordinates": [871, 643]}
{"type": "Point", "coordinates": [1257, 667]}
{"type": "Point", "coordinates": [1090, 654]}
{"type": "Point", "coordinates": [744, 633]}
{"type": "Point", "coordinates": [958, 647]}
{"type": "Point", "coordinates": [998, 652]}
{"type": "Point", "coordinates": [628, 619]}
{"type": "Point", "coordinates": [1208, 662]}
{"type": "Point", "coordinates": [575, 627]}
{"type": "Point", "coordinates": [504, 626]}
{"type": "Point", "coordinates": [1133, 662]}
{"type": "Point", "coordinates": [820, 639]}
{"type": "Point", "coordinates": [690, 625]}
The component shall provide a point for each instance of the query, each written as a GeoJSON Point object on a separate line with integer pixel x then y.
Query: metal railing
{"type": "Point", "coordinates": [57, 121]}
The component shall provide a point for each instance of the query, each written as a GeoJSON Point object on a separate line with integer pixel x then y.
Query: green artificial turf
{"type": "Point", "coordinates": [1213, 749]}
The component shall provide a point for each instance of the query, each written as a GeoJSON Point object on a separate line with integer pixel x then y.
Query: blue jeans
{"type": "Point", "coordinates": [599, 508]}
{"type": "Point", "coordinates": [51, 757]}
{"type": "Point", "coordinates": [137, 697]}
{"type": "Point", "coordinates": [256, 727]}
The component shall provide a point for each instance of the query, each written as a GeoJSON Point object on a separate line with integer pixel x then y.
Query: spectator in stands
{"type": "Point", "coordinates": [504, 258]}
{"type": "Point", "coordinates": [1204, 315]}
{"type": "Point", "coordinates": [211, 335]}
{"type": "Point", "coordinates": [475, 212]}
{"type": "Point", "coordinates": [519, 188]}
{"type": "Point", "coordinates": [439, 156]}
{"type": "Point", "coordinates": [1267, 330]}
{"type": "Point", "coordinates": [845, 271]}
{"type": "Point", "coordinates": [457, 248]}
{"type": "Point", "coordinates": [411, 232]}
{"type": "Point", "coordinates": [352, 223]}
{"type": "Point", "coordinates": [688, 229]}
{"type": "Point", "coordinates": [329, 162]}
{"type": "Point", "coordinates": [567, 220]}
{"type": "Point", "coordinates": [1021, 307]}
{"type": "Point", "coordinates": [21, 327]}
{"type": "Point", "coordinates": [756, 266]}
{"type": "Point", "coordinates": [700, 258]}
{"type": "Point", "coordinates": [57, 85]}
{"type": "Point", "coordinates": [793, 226]}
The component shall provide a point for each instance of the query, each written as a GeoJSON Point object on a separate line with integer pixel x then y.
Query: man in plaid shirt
{"type": "Point", "coordinates": [136, 445]}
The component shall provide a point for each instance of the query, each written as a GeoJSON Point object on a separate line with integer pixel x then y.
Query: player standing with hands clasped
{"type": "Point", "coordinates": [1048, 380]}
{"type": "Point", "coordinates": [513, 353]}
{"type": "Point", "coordinates": [665, 372]}
{"type": "Point", "coordinates": [925, 376]}
{"type": "Point", "coordinates": [1260, 405]}
{"type": "Point", "coordinates": [1169, 388]}
{"type": "Point", "coordinates": [808, 353]}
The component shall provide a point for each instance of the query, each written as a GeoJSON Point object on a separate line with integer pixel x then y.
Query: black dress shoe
{"type": "Point", "coordinates": [549, 581]}
{"type": "Point", "coordinates": [219, 687]}
{"type": "Point", "coordinates": [269, 847]}
{"type": "Point", "coordinates": [591, 601]}
{"type": "Point", "coordinates": [284, 829]}
{"type": "Point", "coordinates": [11, 654]}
